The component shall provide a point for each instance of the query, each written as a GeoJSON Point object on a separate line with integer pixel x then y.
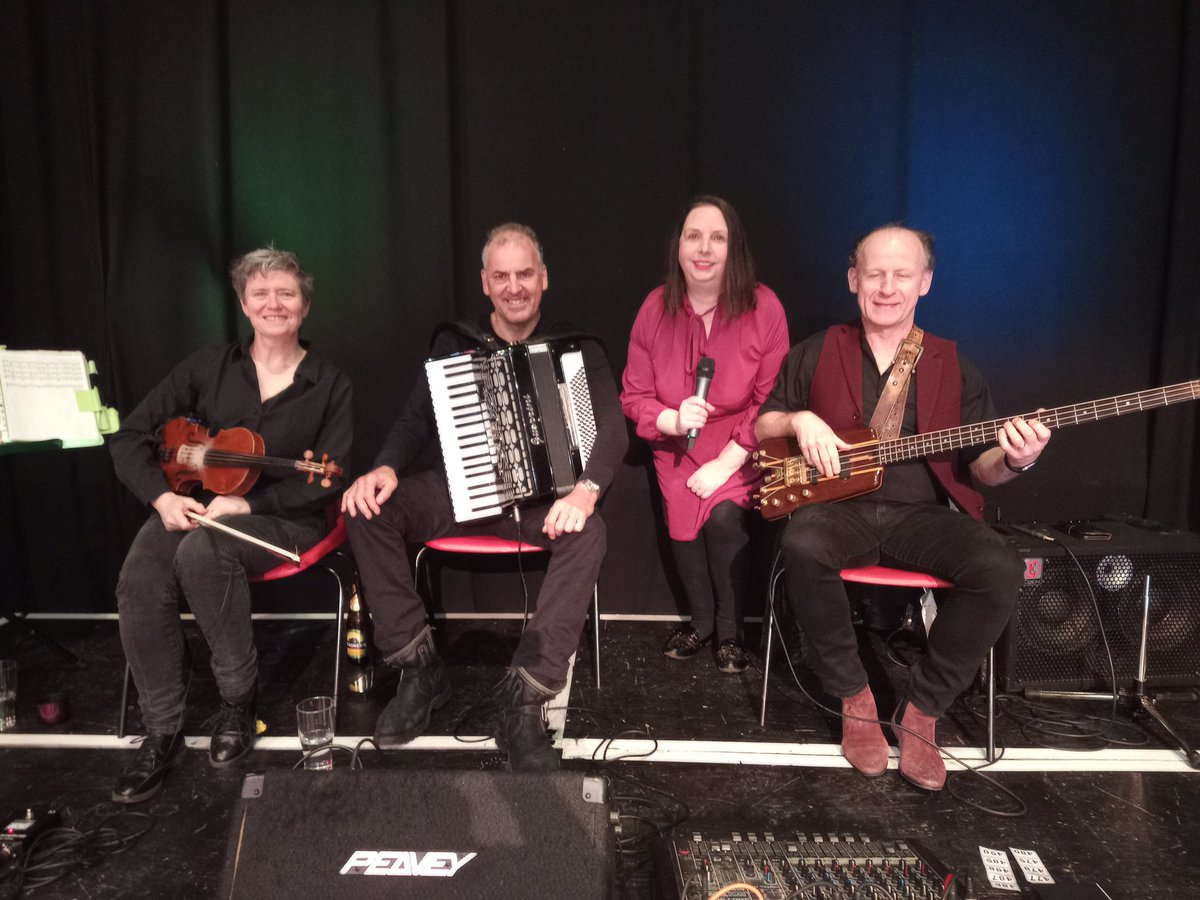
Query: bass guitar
{"type": "Point", "coordinates": [789, 482]}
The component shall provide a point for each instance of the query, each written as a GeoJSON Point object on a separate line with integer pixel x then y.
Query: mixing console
{"type": "Point", "coordinates": [810, 866]}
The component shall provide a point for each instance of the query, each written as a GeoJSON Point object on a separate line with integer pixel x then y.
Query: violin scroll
{"type": "Point", "coordinates": [326, 469]}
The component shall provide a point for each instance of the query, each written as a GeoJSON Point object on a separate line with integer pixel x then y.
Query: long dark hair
{"type": "Point", "coordinates": [738, 281]}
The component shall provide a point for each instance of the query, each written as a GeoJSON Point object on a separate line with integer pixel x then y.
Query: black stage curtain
{"type": "Point", "coordinates": [1050, 148]}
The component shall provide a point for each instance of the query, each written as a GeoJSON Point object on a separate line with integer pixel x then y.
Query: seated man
{"type": "Point", "coordinates": [834, 380]}
{"type": "Point", "coordinates": [387, 511]}
{"type": "Point", "coordinates": [273, 384]}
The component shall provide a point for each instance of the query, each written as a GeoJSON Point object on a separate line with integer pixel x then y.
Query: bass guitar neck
{"type": "Point", "coordinates": [789, 482]}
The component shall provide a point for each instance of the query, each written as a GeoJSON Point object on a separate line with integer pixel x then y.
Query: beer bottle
{"type": "Point", "coordinates": [358, 630]}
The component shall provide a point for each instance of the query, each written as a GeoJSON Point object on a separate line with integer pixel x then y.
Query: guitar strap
{"type": "Point", "coordinates": [889, 412]}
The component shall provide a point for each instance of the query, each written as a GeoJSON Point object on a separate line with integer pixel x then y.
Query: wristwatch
{"type": "Point", "coordinates": [588, 485]}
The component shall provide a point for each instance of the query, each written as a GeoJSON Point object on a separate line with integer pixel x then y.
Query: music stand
{"type": "Point", "coordinates": [1139, 703]}
{"type": "Point", "coordinates": [19, 620]}
{"type": "Point", "coordinates": [47, 402]}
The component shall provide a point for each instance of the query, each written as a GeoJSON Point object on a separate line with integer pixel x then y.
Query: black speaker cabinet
{"type": "Point", "coordinates": [1056, 638]}
{"type": "Point", "coordinates": [420, 834]}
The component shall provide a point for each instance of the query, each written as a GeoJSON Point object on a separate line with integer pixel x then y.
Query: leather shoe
{"type": "Point", "coordinates": [157, 755]}
{"type": "Point", "coordinates": [920, 760]}
{"type": "Point", "coordinates": [521, 730]}
{"type": "Point", "coordinates": [424, 686]}
{"type": "Point", "coordinates": [232, 735]}
{"type": "Point", "coordinates": [732, 658]}
{"type": "Point", "coordinates": [863, 743]}
{"type": "Point", "coordinates": [684, 642]}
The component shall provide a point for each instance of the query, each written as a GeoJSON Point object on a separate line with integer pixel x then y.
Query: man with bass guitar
{"type": "Point", "coordinates": [273, 391]}
{"type": "Point", "coordinates": [831, 384]}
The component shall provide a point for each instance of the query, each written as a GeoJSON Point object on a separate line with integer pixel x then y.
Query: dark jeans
{"type": "Point", "coordinates": [209, 569]}
{"type": "Point", "coordinates": [821, 539]}
{"type": "Point", "coordinates": [714, 569]}
{"type": "Point", "coordinates": [419, 510]}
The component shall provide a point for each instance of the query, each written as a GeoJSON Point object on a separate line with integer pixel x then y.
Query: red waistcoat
{"type": "Point", "coordinates": [836, 396]}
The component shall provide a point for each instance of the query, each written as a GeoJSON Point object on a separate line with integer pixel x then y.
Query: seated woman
{"type": "Point", "coordinates": [272, 384]}
{"type": "Point", "coordinates": [709, 306]}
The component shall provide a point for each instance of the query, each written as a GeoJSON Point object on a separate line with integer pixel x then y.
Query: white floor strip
{"type": "Point", "coordinates": [1032, 759]}
{"type": "Point", "coordinates": [745, 753]}
{"type": "Point", "coordinates": [290, 744]}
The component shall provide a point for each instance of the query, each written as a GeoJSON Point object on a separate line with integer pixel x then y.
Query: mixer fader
{"type": "Point", "coordinates": [818, 866]}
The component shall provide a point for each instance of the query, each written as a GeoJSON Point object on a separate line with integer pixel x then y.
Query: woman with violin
{"type": "Point", "coordinates": [234, 422]}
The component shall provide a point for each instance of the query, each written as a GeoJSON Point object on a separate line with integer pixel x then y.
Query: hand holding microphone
{"type": "Point", "coordinates": [704, 377]}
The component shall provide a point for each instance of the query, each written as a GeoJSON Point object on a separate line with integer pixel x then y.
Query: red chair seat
{"type": "Point", "coordinates": [482, 543]}
{"type": "Point", "coordinates": [894, 577]}
{"type": "Point", "coordinates": [313, 554]}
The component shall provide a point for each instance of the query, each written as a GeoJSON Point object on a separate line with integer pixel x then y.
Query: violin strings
{"type": "Point", "coordinates": [229, 458]}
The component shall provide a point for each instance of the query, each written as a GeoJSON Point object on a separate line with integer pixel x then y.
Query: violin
{"type": "Point", "coordinates": [227, 462]}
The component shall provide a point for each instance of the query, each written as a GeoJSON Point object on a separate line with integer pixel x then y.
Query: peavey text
{"type": "Point", "coordinates": [434, 864]}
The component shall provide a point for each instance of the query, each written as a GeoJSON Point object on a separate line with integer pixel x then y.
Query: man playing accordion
{"type": "Point", "coordinates": [386, 512]}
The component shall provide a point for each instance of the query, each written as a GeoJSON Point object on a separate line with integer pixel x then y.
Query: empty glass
{"type": "Point", "coordinates": [314, 723]}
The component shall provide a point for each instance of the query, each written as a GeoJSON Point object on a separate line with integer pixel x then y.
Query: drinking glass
{"type": "Point", "coordinates": [314, 722]}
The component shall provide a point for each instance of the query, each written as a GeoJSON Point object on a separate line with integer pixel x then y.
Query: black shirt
{"type": "Point", "coordinates": [412, 443]}
{"type": "Point", "coordinates": [219, 387]}
{"type": "Point", "coordinates": [906, 482]}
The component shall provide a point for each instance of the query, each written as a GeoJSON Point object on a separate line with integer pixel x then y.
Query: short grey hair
{"type": "Point", "coordinates": [502, 234]}
{"type": "Point", "coordinates": [268, 259]}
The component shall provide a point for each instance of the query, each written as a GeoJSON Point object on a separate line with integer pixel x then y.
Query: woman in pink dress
{"type": "Point", "coordinates": [709, 306]}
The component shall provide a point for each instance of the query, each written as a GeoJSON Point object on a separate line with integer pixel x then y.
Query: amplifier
{"type": "Point", "coordinates": [420, 834]}
{"type": "Point", "coordinates": [1056, 638]}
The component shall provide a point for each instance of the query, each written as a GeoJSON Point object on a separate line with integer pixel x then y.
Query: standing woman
{"type": "Point", "coordinates": [710, 305]}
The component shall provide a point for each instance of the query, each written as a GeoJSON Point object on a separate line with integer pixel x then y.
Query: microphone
{"type": "Point", "coordinates": [704, 377]}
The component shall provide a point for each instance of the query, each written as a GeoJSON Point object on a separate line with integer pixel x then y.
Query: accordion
{"type": "Point", "coordinates": [516, 425]}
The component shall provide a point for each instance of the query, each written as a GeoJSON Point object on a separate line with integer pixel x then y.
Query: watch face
{"type": "Point", "coordinates": [589, 485]}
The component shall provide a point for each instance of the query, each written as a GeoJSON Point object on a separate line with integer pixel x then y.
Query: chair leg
{"type": "Point", "coordinates": [596, 633]}
{"type": "Point", "coordinates": [124, 701]}
{"type": "Point", "coordinates": [991, 704]}
{"type": "Point", "coordinates": [769, 624]}
{"type": "Point", "coordinates": [428, 578]}
{"type": "Point", "coordinates": [338, 638]}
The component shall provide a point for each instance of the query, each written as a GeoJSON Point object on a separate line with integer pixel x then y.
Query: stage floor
{"type": "Point", "coordinates": [679, 742]}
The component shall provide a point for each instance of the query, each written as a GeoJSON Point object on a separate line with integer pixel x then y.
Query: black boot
{"type": "Point", "coordinates": [521, 728]}
{"type": "Point", "coordinates": [424, 687]}
{"type": "Point", "coordinates": [233, 733]}
{"type": "Point", "coordinates": [158, 755]}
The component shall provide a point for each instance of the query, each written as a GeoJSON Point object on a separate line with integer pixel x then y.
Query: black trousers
{"type": "Point", "coordinates": [419, 510]}
{"type": "Point", "coordinates": [210, 570]}
{"type": "Point", "coordinates": [821, 539]}
{"type": "Point", "coordinates": [714, 569]}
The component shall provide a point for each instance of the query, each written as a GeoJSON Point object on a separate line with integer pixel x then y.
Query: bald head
{"type": "Point", "coordinates": [925, 238]}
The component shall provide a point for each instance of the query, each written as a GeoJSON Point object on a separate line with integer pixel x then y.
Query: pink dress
{"type": "Point", "coordinates": [661, 372]}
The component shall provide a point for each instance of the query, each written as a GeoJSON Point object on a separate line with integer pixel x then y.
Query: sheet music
{"type": "Point", "coordinates": [38, 397]}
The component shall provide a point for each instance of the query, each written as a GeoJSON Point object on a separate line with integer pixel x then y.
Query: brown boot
{"type": "Point", "coordinates": [920, 760]}
{"type": "Point", "coordinates": [863, 743]}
